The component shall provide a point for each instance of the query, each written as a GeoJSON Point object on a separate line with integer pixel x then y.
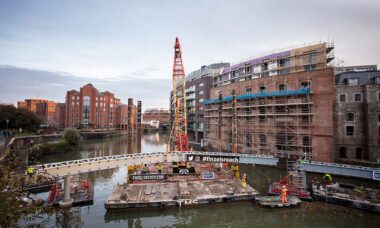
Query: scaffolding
{"type": "Point", "coordinates": [269, 123]}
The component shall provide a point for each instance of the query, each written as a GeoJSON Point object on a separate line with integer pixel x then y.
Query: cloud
{"type": "Point", "coordinates": [21, 83]}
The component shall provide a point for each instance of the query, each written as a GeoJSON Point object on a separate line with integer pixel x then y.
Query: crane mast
{"type": "Point", "coordinates": [178, 133]}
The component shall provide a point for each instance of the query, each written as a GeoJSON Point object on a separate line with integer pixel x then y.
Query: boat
{"type": "Point", "coordinates": [31, 199]}
{"type": "Point", "coordinates": [348, 195]}
{"type": "Point", "coordinates": [276, 201]}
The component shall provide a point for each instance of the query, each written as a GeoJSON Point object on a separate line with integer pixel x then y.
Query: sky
{"type": "Point", "coordinates": [126, 47]}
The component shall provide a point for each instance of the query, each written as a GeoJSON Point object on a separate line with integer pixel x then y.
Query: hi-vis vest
{"type": "Point", "coordinates": [30, 170]}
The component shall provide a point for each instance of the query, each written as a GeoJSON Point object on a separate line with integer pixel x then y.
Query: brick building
{"type": "Point", "coordinates": [283, 104]}
{"type": "Point", "coordinates": [91, 109]}
{"type": "Point", "coordinates": [44, 109]}
{"type": "Point", "coordinates": [156, 114]}
{"type": "Point", "coordinates": [59, 116]}
{"type": "Point", "coordinates": [357, 115]}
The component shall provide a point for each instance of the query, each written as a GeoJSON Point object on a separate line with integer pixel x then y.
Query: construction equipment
{"type": "Point", "coordinates": [178, 136]}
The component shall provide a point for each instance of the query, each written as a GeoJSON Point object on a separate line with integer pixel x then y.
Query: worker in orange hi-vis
{"type": "Point", "coordinates": [283, 196]}
{"type": "Point", "coordinates": [244, 180]}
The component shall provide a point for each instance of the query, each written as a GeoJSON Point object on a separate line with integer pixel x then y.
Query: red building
{"type": "Point", "coordinates": [43, 108]}
{"type": "Point", "coordinates": [156, 114]}
{"type": "Point", "coordinates": [91, 109]}
{"type": "Point", "coordinates": [59, 116]}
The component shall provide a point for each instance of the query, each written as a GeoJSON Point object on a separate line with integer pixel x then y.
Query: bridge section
{"type": "Point", "coordinates": [65, 168]}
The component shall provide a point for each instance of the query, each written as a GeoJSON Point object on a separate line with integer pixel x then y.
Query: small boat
{"type": "Point", "coordinates": [347, 195]}
{"type": "Point", "coordinates": [276, 201]}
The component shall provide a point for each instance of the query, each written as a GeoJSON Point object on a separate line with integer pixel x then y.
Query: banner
{"type": "Point", "coordinates": [145, 177]}
{"type": "Point", "coordinates": [213, 158]}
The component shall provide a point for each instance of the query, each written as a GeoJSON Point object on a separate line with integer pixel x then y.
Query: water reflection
{"type": "Point", "coordinates": [230, 215]}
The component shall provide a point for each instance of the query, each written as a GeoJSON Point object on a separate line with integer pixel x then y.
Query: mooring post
{"type": "Point", "coordinates": [234, 123]}
{"type": "Point", "coordinates": [67, 201]}
{"type": "Point", "coordinates": [220, 121]}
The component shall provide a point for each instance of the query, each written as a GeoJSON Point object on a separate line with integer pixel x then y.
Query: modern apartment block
{"type": "Point", "coordinates": [362, 68]}
{"type": "Point", "coordinates": [91, 109]}
{"type": "Point", "coordinates": [357, 115]}
{"type": "Point", "coordinates": [283, 105]}
{"type": "Point", "coordinates": [44, 109]}
{"type": "Point", "coordinates": [299, 59]}
{"type": "Point", "coordinates": [198, 85]}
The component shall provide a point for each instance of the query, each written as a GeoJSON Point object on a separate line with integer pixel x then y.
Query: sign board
{"type": "Point", "coordinates": [213, 158]}
{"type": "Point", "coordinates": [376, 176]}
{"type": "Point", "coordinates": [145, 177]}
{"type": "Point", "coordinates": [208, 175]}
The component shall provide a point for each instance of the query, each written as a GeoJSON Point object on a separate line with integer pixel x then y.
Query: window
{"type": "Point", "coordinates": [378, 96]}
{"type": "Point", "coordinates": [96, 98]}
{"type": "Point", "coordinates": [313, 57]}
{"type": "Point", "coordinates": [200, 84]}
{"type": "Point", "coordinates": [200, 92]}
{"type": "Point", "coordinates": [248, 139]}
{"type": "Point", "coordinates": [73, 98]}
{"type": "Point", "coordinates": [200, 100]}
{"type": "Point", "coordinates": [342, 152]}
{"type": "Point", "coordinates": [200, 108]}
{"type": "Point", "coordinates": [281, 87]}
{"type": "Point", "coordinates": [310, 67]}
{"type": "Point", "coordinates": [359, 153]}
{"type": "Point", "coordinates": [342, 97]}
{"type": "Point", "coordinates": [358, 97]}
{"type": "Point", "coordinates": [350, 116]}
{"type": "Point", "coordinates": [200, 115]}
{"type": "Point", "coordinates": [353, 81]}
{"type": "Point", "coordinates": [305, 85]}
{"type": "Point", "coordinates": [307, 144]}
{"type": "Point", "coordinates": [350, 130]}
{"type": "Point", "coordinates": [263, 89]}
{"type": "Point", "coordinates": [248, 91]}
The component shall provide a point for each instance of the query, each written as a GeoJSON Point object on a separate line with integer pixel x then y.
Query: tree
{"type": "Point", "coordinates": [72, 137]}
{"type": "Point", "coordinates": [18, 118]}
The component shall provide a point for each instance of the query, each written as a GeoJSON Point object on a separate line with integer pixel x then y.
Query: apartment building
{"type": "Point", "coordinates": [283, 104]}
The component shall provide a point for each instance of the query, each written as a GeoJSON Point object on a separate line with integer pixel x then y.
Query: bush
{"type": "Point", "coordinates": [72, 137]}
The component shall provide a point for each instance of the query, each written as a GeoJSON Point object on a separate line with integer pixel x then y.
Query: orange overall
{"type": "Point", "coordinates": [244, 182]}
{"type": "Point", "coordinates": [283, 196]}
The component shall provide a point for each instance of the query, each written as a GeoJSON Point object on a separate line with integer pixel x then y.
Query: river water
{"type": "Point", "coordinates": [246, 214]}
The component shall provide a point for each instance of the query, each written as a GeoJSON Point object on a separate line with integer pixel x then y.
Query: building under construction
{"type": "Point", "coordinates": [279, 104]}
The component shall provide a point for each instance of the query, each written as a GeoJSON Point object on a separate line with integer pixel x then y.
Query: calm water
{"type": "Point", "coordinates": [233, 215]}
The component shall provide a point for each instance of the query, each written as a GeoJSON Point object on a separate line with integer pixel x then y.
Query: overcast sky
{"type": "Point", "coordinates": [126, 47]}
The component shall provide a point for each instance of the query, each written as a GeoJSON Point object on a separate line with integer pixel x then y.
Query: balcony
{"type": "Point", "coordinates": [190, 97]}
{"type": "Point", "coordinates": [190, 90]}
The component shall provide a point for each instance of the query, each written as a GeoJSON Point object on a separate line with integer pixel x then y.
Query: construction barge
{"type": "Point", "coordinates": [347, 195]}
{"type": "Point", "coordinates": [206, 185]}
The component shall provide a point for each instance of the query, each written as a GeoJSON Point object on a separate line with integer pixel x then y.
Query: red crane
{"type": "Point", "coordinates": [178, 134]}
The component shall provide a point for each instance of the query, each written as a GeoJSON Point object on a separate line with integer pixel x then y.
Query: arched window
{"type": "Point", "coordinates": [342, 152]}
{"type": "Point", "coordinates": [359, 152]}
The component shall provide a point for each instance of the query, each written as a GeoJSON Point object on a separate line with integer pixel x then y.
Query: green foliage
{"type": "Point", "coordinates": [72, 137]}
{"type": "Point", "coordinates": [18, 118]}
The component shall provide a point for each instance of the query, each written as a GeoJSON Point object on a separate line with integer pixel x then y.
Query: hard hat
{"type": "Point", "coordinates": [283, 186]}
{"type": "Point", "coordinates": [245, 174]}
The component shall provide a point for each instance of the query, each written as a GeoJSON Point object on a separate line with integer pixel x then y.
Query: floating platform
{"type": "Point", "coordinates": [276, 187]}
{"type": "Point", "coordinates": [178, 193]}
{"type": "Point", "coordinates": [275, 201]}
{"type": "Point", "coordinates": [39, 187]}
{"type": "Point", "coordinates": [81, 195]}
{"type": "Point", "coordinates": [347, 195]}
